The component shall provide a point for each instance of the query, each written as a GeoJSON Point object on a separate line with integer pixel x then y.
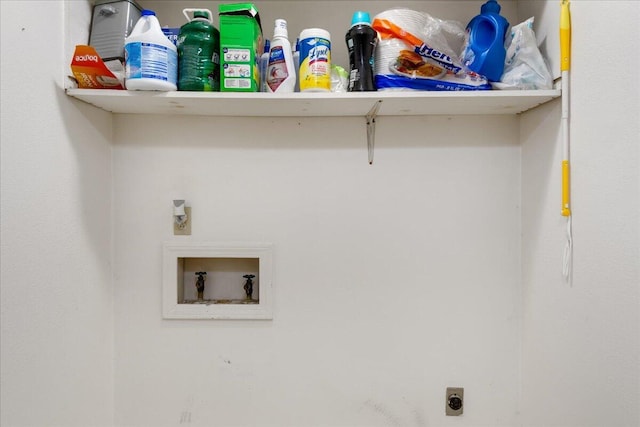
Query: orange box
{"type": "Point", "coordinates": [91, 72]}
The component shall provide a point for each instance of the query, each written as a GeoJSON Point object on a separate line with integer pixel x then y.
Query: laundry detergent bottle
{"type": "Point", "coordinates": [361, 42]}
{"type": "Point", "coordinates": [484, 51]}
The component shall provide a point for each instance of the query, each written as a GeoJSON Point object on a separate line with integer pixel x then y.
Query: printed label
{"type": "Point", "coordinates": [172, 34]}
{"type": "Point", "coordinates": [439, 57]}
{"type": "Point", "coordinates": [237, 70]}
{"type": "Point", "coordinates": [90, 71]}
{"type": "Point", "coordinates": [315, 64]}
{"type": "Point", "coordinates": [237, 83]}
{"type": "Point", "coordinates": [277, 69]}
{"type": "Point", "coordinates": [151, 61]}
{"type": "Point", "coordinates": [236, 55]}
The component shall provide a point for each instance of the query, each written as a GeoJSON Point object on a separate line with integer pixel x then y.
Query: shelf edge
{"type": "Point", "coordinates": [225, 104]}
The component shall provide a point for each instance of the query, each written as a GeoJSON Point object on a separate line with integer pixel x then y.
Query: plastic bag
{"type": "Point", "coordinates": [524, 66]}
{"type": "Point", "coordinates": [339, 79]}
{"type": "Point", "coordinates": [420, 52]}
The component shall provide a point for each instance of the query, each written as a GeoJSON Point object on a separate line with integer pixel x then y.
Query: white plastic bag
{"type": "Point", "coordinates": [524, 66]}
{"type": "Point", "coordinates": [339, 79]}
{"type": "Point", "coordinates": [420, 52]}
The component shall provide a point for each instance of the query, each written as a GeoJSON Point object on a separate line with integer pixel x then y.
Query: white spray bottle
{"type": "Point", "coordinates": [281, 73]}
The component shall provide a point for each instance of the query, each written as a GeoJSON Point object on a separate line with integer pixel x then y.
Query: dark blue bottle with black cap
{"type": "Point", "coordinates": [484, 52]}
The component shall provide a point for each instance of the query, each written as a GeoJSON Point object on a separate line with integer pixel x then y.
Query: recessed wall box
{"type": "Point", "coordinates": [217, 281]}
{"type": "Point", "coordinates": [111, 22]}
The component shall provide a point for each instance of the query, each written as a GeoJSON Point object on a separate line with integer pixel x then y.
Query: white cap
{"type": "Point", "coordinates": [281, 29]}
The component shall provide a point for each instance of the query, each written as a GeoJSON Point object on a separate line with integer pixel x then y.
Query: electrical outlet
{"type": "Point", "coordinates": [186, 231]}
{"type": "Point", "coordinates": [454, 404]}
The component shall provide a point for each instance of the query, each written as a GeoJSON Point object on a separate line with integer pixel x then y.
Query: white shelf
{"type": "Point", "coordinates": [314, 104]}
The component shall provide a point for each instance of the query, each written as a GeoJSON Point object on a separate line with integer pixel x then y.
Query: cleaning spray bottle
{"type": "Point", "coordinates": [281, 74]}
{"type": "Point", "coordinates": [484, 51]}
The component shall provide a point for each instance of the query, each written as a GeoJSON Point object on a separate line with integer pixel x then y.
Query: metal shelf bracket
{"type": "Point", "coordinates": [371, 128]}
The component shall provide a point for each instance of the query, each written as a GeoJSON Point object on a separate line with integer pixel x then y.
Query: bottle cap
{"type": "Point", "coordinates": [360, 17]}
{"type": "Point", "coordinates": [201, 14]}
{"type": "Point", "coordinates": [148, 12]}
{"type": "Point", "coordinates": [281, 29]}
{"type": "Point", "coordinates": [490, 6]}
{"type": "Point", "coordinates": [267, 46]}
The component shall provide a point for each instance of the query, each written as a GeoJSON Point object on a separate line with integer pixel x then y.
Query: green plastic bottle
{"type": "Point", "coordinates": [198, 53]}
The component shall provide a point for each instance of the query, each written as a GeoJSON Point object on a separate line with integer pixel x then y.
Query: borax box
{"type": "Point", "coordinates": [240, 47]}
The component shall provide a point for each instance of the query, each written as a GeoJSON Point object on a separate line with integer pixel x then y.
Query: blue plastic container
{"type": "Point", "coordinates": [485, 52]}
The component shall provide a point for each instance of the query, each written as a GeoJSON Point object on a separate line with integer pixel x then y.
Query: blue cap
{"type": "Point", "coordinates": [360, 17]}
{"type": "Point", "coordinates": [490, 6]}
{"type": "Point", "coordinates": [148, 12]}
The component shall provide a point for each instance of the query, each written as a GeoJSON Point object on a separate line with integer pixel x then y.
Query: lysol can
{"type": "Point", "coordinates": [315, 60]}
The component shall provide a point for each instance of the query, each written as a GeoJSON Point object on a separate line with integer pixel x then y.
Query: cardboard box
{"type": "Point", "coordinates": [91, 72]}
{"type": "Point", "coordinates": [241, 44]}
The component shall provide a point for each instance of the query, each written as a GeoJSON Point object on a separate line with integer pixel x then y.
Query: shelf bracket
{"type": "Point", "coordinates": [371, 128]}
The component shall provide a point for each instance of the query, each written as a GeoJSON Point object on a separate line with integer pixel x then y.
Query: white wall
{"type": "Point", "coordinates": [56, 277]}
{"type": "Point", "coordinates": [391, 281]}
{"type": "Point", "coordinates": [581, 342]}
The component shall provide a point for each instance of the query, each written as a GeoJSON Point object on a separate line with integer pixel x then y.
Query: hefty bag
{"type": "Point", "coordinates": [420, 52]}
{"type": "Point", "coordinates": [91, 72]}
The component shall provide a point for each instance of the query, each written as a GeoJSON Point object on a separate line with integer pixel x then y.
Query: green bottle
{"type": "Point", "coordinates": [198, 53]}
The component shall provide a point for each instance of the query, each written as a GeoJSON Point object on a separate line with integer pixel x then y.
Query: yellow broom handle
{"type": "Point", "coordinates": [565, 64]}
{"type": "Point", "coordinates": [565, 36]}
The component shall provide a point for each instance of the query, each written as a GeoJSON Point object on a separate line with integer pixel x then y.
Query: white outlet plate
{"type": "Point", "coordinates": [186, 231]}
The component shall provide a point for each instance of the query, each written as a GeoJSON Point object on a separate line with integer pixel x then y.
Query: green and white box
{"type": "Point", "coordinates": [241, 44]}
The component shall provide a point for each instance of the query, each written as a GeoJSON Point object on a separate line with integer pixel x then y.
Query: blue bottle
{"type": "Point", "coordinates": [485, 52]}
{"type": "Point", "coordinates": [263, 62]}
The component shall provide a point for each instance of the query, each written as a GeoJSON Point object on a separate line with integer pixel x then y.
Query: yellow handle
{"type": "Point", "coordinates": [565, 188]}
{"type": "Point", "coordinates": [565, 36]}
